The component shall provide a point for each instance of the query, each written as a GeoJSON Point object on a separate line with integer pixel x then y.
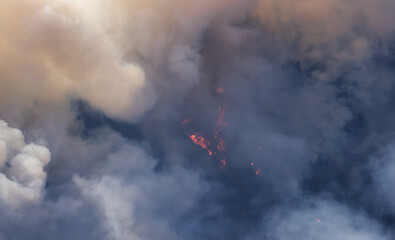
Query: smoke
{"type": "Point", "coordinates": [132, 206]}
{"type": "Point", "coordinates": [51, 54]}
{"type": "Point", "coordinates": [22, 169]}
{"type": "Point", "coordinates": [320, 219]}
{"type": "Point", "coordinates": [382, 169]}
{"type": "Point", "coordinates": [292, 102]}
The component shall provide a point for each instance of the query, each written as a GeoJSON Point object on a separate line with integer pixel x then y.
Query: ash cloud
{"type": "Point", "coordinates": [103, 97]}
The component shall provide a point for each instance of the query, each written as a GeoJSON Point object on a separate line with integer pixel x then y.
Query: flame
{"type": "Point", "coordinates": [216, 145]}
{"type": "Point", "coordinates": [202, 142]}
{"type": "Point", "coordinates": [207, 144]}
{"type": "Point", "coordinates": [223, 163]}
{"type": "Point", "coordinates": [221, 146]}
{"type": "Point", "coordinates": [257, 171]}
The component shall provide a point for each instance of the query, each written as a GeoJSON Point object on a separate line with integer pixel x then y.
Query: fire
{"type": "Point", "coordinates": [220, 90]}
{"type": "Point", "coordinates": [223, 163]}
{"type": "Point", "coordinates": [214, 144]}
{"type": "Point", "coordinates": [199, 140]}
{"type": "Point", "coordinates": [202, 142]}
{"type": "Point", "coordinates": [220, 118]}
{"type": "Point", "coordinates": [206, 144]}
{"type": "Point", "coordinates": [221, 146]}
{"type": "Point", "coordinates": [257, 171]}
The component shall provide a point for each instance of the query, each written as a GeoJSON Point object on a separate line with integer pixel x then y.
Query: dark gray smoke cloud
{"type": "Point", "coordinates": [101, 102]}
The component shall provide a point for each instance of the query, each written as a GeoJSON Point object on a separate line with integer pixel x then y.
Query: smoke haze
{"type": "Point", "coordinates": [198, 119]}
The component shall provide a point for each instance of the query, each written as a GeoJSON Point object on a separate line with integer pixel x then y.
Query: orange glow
{"type": "Point", "coordinates": [318, 220]}
{"type": "Point", "coordinates": [220, 118]}
{"type": "Point", "coordinates": [201, 141]}
{"type": "Point", "coordinates": [220, 90]}
{"type": "Point", "coordinates": [214, 145]}
{"type": "Point", "coordinates": [186, 121]}
{"type": "Point", "coordinates": [223, 163]}
{"type": "Point", "coordinates": [258, 171]}
{"type": "Point", "coordinates": [221, 146]}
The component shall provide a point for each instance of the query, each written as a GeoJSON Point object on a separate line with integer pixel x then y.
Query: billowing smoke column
{"type": "Point", "coordinates": [197, 119]}
{"type": "Point", "coordinates": [22, 176]}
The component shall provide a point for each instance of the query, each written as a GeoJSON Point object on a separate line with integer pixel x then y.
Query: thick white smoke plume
{"type": "Point", "coordinates": [22, 176]}
{"type": "Point", "coordinates": [50, 53]}
{"type": "Point", "coordinates": [197, 119]}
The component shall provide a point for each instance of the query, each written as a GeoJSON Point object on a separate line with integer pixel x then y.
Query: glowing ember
{"type": "Point", "coordinates": [214, 145]}
{"type": "Point", "coordinates": [258, 171]}
{"type": "Point", "coordinates": [221, 146]}
{"type": "Point", "coordinates": [186, 121]}
{"type": "Point", "coordinates": [223, 163]}
{"type": "Point", "coordinates": [202, 142]}
{"type": "Point", "coordinates": [220, 90]}
{"type": "Point", "coordinates": [220, 118]}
